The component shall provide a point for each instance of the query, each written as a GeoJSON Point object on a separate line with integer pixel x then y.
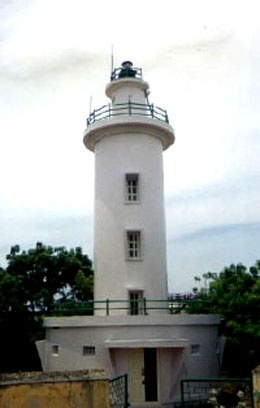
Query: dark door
{"type": "Point", "coordinates": [150, 374]}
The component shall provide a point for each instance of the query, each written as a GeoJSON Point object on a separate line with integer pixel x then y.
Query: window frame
{"type": "Point", "coordinates": [195, 349]}
{"type": "Point", "coordinates": [132, 192]}
{"type": "Point", "coordinates": [136, 302]}
{"type": "Point", "coordinates": [55, 350]}
{"type": "Point", "coordinates": [88, 351]}
{"type": "Point", "coordinates": [134, 246]}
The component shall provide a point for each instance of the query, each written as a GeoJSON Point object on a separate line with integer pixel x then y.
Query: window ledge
{"type": "Point", "coordinates": [132, 202]}
{"type": "Point", "coordinates": [134, 259]}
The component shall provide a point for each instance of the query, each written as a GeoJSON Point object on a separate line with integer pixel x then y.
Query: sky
{"type": "Point", "coordinates": [202, 61]}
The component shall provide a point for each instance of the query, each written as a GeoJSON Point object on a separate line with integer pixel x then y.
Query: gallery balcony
{"type": "Point", "coordinates": [128, 109]}
{"type": "Point", "coordinates": [141, 306]}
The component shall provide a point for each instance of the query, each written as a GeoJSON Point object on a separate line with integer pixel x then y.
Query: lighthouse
{"type": "Point", "coordinates": [133, 330]}
{"type": "Point", "coordinates": [128, 137]}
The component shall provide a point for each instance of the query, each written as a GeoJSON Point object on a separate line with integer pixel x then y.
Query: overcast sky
{"type": "Point", "coordinates": [202, 61]}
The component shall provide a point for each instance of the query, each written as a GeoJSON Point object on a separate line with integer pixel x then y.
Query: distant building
{"type": "Point", "coordinates": [133, 330]}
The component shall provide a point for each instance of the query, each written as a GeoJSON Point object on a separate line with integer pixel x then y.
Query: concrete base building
{"type": "Point", "coordinates": [133, 329]}
{"type": "Point", "coordinates": [156, 351]}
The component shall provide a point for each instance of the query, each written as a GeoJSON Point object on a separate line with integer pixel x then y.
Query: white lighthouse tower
{"type": "Point", "coordinates": [133, 331]}
{"type": "Point", "coordinates": [129, 226]}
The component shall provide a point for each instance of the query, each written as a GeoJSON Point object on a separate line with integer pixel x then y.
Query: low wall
{"type": "Point", "coordinates": [256, 386]}
{"type": "Point", "coordinates": [88, 389]}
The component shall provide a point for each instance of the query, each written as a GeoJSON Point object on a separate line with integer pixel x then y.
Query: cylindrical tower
{"type": "Point", "coordinates": [128, 137]}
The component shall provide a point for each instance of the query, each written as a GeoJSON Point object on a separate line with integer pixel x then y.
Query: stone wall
{"type": "Point", "coordinates": [88, 389]}
{"type": "Point", "coordinates": [256, 386]}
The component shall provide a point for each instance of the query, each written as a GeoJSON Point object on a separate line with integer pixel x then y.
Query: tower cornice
{"type": "Point", "coordinates": [112, 87]}
{"type": "Point", "coordinates": [118, 125]}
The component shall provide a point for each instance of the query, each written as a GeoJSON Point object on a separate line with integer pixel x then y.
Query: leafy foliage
{"type": "Point", "coordinates": [234, 294]}
{"type": "Point", "coordinates": [31, 286]}
{"type": "Point", "coordinates": [35, 279]}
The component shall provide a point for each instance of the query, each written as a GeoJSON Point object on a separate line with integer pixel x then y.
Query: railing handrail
{"type": "Point", "coordinates": [129, 108]}
{"type": "Point", "coordinates": [143, 305]}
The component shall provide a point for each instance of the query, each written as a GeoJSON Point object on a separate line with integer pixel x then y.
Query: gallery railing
{"type": "Point", "coordinates": [128, 108]}
{"type": "Point", "coordinates": [140, 306]}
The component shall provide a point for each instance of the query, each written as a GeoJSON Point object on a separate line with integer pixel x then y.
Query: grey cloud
{"type": "Point", "coordinates": [53, 64]}
{"type": "Point", "coordinates": [67, 230]}
{"type": "Point", "coordinates": [252, 228]}
{"type": "Point", "coordinates": [233, 187]}
{"type": "Point", "coordinates": [211, 249]}
{"type": "Point", "coordinates": [170, 53]}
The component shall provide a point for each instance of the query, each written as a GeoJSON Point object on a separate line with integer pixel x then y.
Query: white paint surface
{"type": "Point", "coordinates": [123, 145]}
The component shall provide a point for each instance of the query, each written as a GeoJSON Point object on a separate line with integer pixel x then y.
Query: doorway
{"type": "Point", "coordinates": [143, 375]}
{"type": "Point", "coordinates": [136, 305]}
{"type": "Point", "coordinates": [150, 374]}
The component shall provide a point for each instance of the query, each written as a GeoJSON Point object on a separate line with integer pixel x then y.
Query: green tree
{"type": "Point", "coordinates": [83, 286]}
{"type": "Point", "coordinates": [31, 285]}
{"type": "Point", "coordinates": [234, 294]}
{"type": "Point", "coordinates": [35, 279]}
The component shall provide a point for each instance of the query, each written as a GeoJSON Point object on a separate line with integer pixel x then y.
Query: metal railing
{"type": "Point", "coordinates": [118, 392]}
{"type": "Point", "coordinates": [216, 392]}
{"type": "Point", "coordinates": [128, 108]}
{"type": "Point", "coordinates": [141, 306]}
{"type": "Point", "coordinates": [126, 72]}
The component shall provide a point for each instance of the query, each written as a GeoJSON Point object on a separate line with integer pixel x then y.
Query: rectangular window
{"type": "Point", "coordinates": [132, 187]}
{"type": "Point", "coordinates": [136, 302]}
{"type": "Point", "coordinates": [133, 244]}
{"type": "Point", "coordinates": [55, 350]}
{"type": "Point", "coordinates": [88, 351]}
{"type": "Point", "coordinates": [195, 349]}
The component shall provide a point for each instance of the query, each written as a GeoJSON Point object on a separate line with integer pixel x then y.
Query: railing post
{"type": "Point", "coordinates": [107, 307]}
{"type": "Point", "coordinates": [152, 110]}
{"type": "Point", "coordinates": [126, 391]}
{"type": "Point", "coordinates": [145, 311]}
{"type": "Point", "coordinates": [182, 393]}
{"type": "Point", "coordinates": [109, 109]}
{"type": "Point", "coordinates": [129, 107]}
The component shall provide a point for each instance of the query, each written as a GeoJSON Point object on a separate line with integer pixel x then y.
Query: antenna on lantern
{"type": "Point", "coordinates": [112, 58]}
{"type": "Point", "coordinates": [90, 104]}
